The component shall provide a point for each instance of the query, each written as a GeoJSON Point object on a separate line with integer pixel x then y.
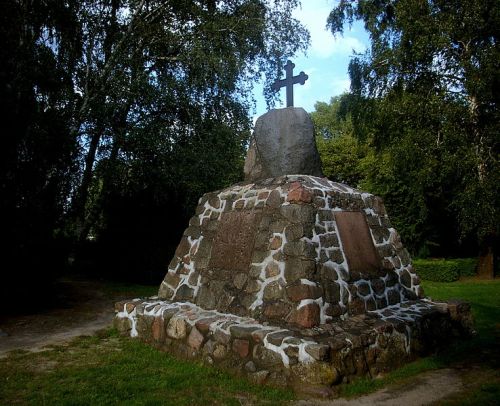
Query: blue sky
{"type": "Point", "coordinates": [326, 61]}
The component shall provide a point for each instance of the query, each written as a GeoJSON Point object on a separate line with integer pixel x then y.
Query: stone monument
{"type": "Point", "coordinates": [290, 278]}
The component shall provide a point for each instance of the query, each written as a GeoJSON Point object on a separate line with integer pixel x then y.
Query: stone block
{"type": "Point", "coordinates": [184, 292]}
{"type": "Point", "coordinates": [306, 316]}
{"type": "Point", "coordinates": [195, 339]}
{"type": "Point", "coordinates": [242, 331]}
{"type": "Point", "coordinates": [296, 268]}
{"type": "Point", "coordinates": [300, 248]}
{"type": "Point", "coordinates": [332, 291]}
{"type": "Point", "coordinates": [273, 291]}
{"type": "Point", "coordinates": [219, 352]}
{"type": "Point", "coordinates": [241, 347]}
{"type": "Point", "coordinates": [158, 329]}
{"type": "Point", "coordinates": [320, 352]}
{"type": "Point", "coordinates": [122, 324]}
{"type": "Point", "coordinates": [298, 292]}
{"type": "Point", "coordinates": [275, 243]}
{"type": "Point", "coordinates": [298, 213]}
{"type": "Point", "coordinates": [272, 269]}
{"type": "Point", "coordinates": [294, 232]}
{"type": "Point", "coordinates": [221, 337]}
{"type": "Point", "coordinates": [203, 325]}
{"type": "Point", "coordinates": [283, 143]}
{"type": "Point", "coordinates": [299, 194]}
{"type": "Point", "coordinates": [405, 279]}
{"type": "Point", "coordinates": [266, 358]}
{"type": "Point", "coordinates": [258, 377]}
{"type": "Point", "coordinates": [276, 310]}
{"type": "Point", "coordinates": [239, 280]}
{"type": "Point", "coordinates": [176, 328]}
{"type": "Point", "coordinates": [274, 199]}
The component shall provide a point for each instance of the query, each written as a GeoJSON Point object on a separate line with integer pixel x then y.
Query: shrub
{"type": "Point", "coordinates": [436, 270]}
{"type": "Point", "coordinates": [466, 266]}
{"type": "Point", "coordinates": [445, 270]}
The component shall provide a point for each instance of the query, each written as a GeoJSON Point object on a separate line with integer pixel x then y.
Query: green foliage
{"type": "Point", "coordinates": [436, 270]}
{"type": "Point", "coordinates": [340, 151]}
{"type": "Point", "coordinates": [432, 116]}
{"type": "Point", "coordinates": [120, 110]}
{"type": "Point", "coordinates": [445, 270]}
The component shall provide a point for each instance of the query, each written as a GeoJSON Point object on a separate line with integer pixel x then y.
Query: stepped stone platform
{"type": "Point", "coordinates": [293, 280]}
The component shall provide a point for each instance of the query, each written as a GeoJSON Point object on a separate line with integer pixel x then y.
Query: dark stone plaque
{"type": "Point", "coordinates": [234, 240]}
{"type": "Point", "coordinates": [357, 243]}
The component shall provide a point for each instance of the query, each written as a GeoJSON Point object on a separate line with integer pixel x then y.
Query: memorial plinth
{"type": "Point", "coordinates": [292, 279]}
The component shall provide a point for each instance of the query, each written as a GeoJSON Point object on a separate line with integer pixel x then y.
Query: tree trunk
{"type": "Point", "coordinates": [485, 264]}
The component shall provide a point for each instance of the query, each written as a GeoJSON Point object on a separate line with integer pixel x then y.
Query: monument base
{"type": "Point", "coordinates": [363, 345]}
{"type": "Point", "coordinates": [295, 281]}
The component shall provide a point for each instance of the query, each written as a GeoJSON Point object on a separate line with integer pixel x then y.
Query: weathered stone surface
{"type": "Point", "coordinates": [273, 291]}
{"type": "Point", "coordinates": [184, 293]}
{"type": "Point", "coordinates": [405, 278]}
{"type": "Point", "coordinates": [283, 143]}
{"type": "Point", "coordinates": [219, 351]}
{"type": "Point", "coordinates": [176, 328]}
{"type": "Point", "coordinates": [294, 232]}
{"type": "Point", "coordinates": [250, 366]}
{"type": "Point", "coordinates": [299, 194]}
{"type": "Point", "coordinates": [296, 268]}
{"type": "Point", "coordinates": [195, 339]}
{"type": "Point", "coordinates": [319, 352]}
{"type": "Point", "coordinates": [272, 269]}
{"type": "Point", "coordinates": [242, 331]}
{"type": "Point", "coordinates": [258, 377]}
{"type": "Point", "coordinates": [306, 316]}
{"type": "Point", "coordinates": [298, 292]}
{"type": "Point", "coordinates": [276, 310]}
{"type": "Point", "coordinates": [233, 242]}
{"type": "Point", "coordinates": [332, 291]}
{"type": "Point", "coordinates": [241, 347]}
{"type": "Point", "coordinates": [240, 280]}
{"type": "Point", "coordinates": [266, 358]}
{"type": "Point", "coordinates": [123, 325]}
{"type": "Point", "coordinates": [298, 213]}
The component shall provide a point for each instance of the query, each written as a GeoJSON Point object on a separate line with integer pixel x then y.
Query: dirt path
{"type": "Point", "coordinates": [80, 308]}
{"type": "Point", "coordinates": [425, 389]}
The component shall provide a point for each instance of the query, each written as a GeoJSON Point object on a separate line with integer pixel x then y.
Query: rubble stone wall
{"type": "Point", "coordinates": [361, 345]}
{"type": "Point", "coordinates": [271, 250]}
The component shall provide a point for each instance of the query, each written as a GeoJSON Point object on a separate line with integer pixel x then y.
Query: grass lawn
{"type": "Point", "coordinates": [108, 369]}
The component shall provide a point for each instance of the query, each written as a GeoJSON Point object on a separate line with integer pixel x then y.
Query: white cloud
{"type": "Point", "coordinates": [323, 44]}
{"type": "Point", "coordinates": [341, 85]}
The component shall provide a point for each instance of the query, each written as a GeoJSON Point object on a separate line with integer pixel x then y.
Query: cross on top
{"type": "Point", "coordinates": [289, 81]}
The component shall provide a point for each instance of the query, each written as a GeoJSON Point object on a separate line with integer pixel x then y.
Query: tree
{"type": "Point", "coordinates": [37, 158]}
{"type": "Point", "coordinates": [434, 66]}
{"type": "Point", "coordinates": [129, 107]}
{"type": "Point", "coordinates": [341, 152]}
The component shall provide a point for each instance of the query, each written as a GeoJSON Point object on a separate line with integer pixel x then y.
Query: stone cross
{"type": "Point", "coordinates": [289, 81]}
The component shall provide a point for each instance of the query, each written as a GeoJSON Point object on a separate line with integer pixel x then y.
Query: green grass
{"type": "Point", "coordinates": [113, 370]}
{"type": "Point", "coordinates": [479, 353]}
{"type": "Point", "coordinates": [128, 290]}
{"type": "Point", "coordinates": [484, 296]}
{"type": "Point", "coordinates": [109, 369]}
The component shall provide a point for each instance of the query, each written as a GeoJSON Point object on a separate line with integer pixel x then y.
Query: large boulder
{"type": "Point", "coordinates": [283, 143]}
